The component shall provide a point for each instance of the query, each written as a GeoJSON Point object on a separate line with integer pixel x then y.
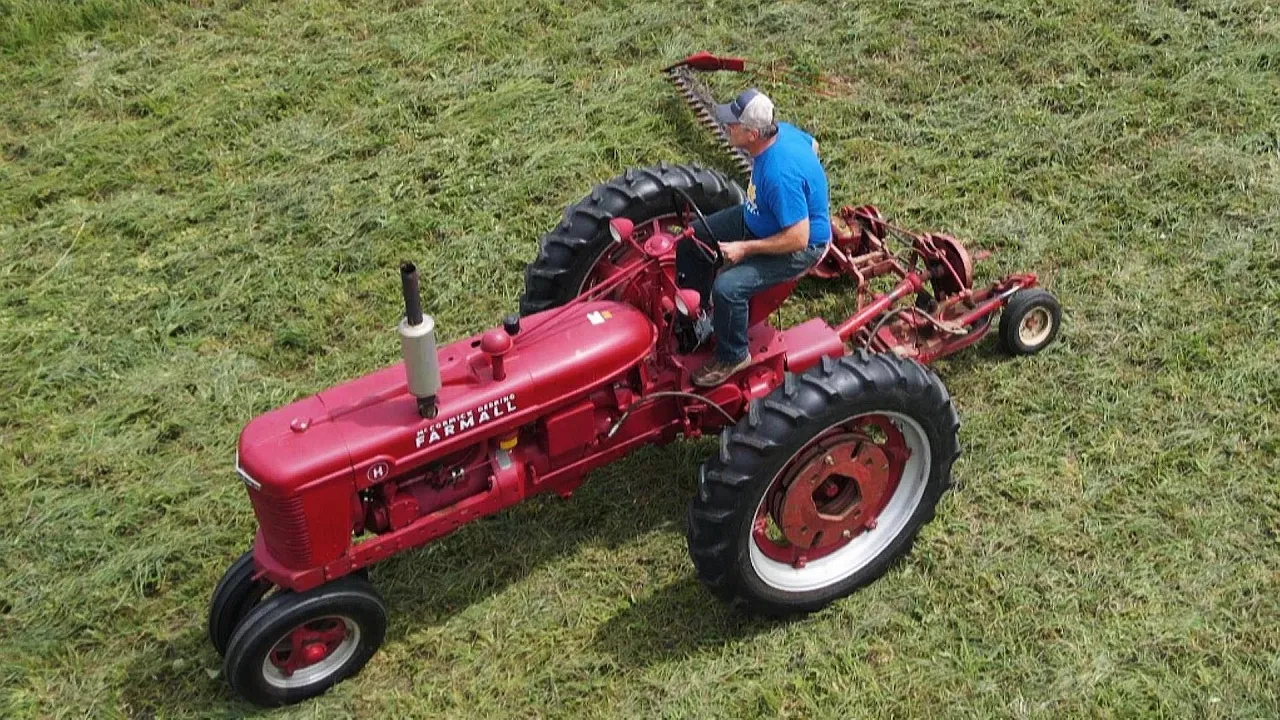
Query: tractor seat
{"type": "Point", "coordinates": [763, 302]}
{"type": "Point", "coordinates": [826, 250]}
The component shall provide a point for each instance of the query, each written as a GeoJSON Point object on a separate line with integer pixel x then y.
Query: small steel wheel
{"type": "Point", "coordinates": [824, 485]}
{"type": "Point", "coordinates": [236, 594]}
{"type": "Point", "coordinates": [297, 645]}
{"type": "Point", "coordinates": [1030, 321]}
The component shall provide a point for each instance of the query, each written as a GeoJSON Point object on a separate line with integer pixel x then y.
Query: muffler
{"type": "Point", "coordinates": [418, 344]}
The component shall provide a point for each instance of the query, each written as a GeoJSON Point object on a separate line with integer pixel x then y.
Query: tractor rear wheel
{"type": "Point", "coordinates": [824, 484]}
{"type": "Point", "coordinates": [297, 645]}
{"type": "Point", "coordinates": [570, 255]}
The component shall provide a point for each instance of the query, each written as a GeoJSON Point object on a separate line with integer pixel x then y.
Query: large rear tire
{"type": "Point", "coordinates": [568, 254]}
{"type": "Point", "coordinates": [824, 484]}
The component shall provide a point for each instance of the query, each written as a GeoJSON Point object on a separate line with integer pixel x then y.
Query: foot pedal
{"type": "Point", "coordinates": [703, 327]}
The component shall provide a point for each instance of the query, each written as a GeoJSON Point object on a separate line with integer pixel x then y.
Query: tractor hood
{"type": "Point", "coordinates": [369, 429]}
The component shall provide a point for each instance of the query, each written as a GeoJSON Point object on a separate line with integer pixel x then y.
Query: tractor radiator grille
{"type": "Point", "coordinates": [284, 526]}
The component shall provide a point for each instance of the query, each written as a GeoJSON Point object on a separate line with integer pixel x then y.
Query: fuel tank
{"type": "Point", "coordinates": [364, 431]}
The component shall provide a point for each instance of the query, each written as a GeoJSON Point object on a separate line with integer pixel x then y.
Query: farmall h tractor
{"type": "Point", "coordinates": [834, 448]}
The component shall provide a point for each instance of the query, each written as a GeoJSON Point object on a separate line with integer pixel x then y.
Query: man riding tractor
{"type": "Point", "coordinates": [780, 232]}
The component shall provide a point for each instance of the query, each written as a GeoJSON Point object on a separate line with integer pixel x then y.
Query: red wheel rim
{"type": "Point", "coordinates": [311, 652]}
{"type": "Point", "coordinates": [308, 645]}
{"type": "Point", "coordinates": [831, 492]}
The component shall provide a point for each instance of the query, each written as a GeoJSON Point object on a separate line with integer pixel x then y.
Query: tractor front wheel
{"type": "Point", "coordinates": [236, 594]}
{"type": "Point", "coordinates": [297, 645]}
{"type": "Point", "coordinates": [824, 484]}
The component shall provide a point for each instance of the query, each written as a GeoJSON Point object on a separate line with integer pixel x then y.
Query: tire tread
{"type": "Point", "coordinates": [567, 253]}
{"type": "Point", "coordinates": [779, 425]}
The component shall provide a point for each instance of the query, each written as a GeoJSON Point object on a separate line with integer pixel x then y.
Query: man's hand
{"type": "Point", "coordinates": [733, 252]}
{"type": "Point", "coordinates": [792, 239]}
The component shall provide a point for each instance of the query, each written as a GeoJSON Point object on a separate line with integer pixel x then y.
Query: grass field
{"type": "Point", "coordinates": [202, 205]}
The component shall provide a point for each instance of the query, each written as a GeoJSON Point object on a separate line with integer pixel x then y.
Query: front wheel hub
{"type": "Point", "coordinates": [311, 652]}
{"type": "Point", "coordinates": [314, 652]}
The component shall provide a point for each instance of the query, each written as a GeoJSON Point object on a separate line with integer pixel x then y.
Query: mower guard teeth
{"type": "Point", "coordinates": [700, 100]}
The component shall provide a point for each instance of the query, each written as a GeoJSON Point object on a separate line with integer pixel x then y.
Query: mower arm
{"type": "Point", "coordinates": [704, 61]}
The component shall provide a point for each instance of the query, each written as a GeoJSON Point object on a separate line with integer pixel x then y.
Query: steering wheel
{"type": "Point", "coordinates": [718, 259]}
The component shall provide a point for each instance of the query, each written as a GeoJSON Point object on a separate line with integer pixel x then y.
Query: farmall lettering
{"type": "Point", "coordinates": [464, 421]}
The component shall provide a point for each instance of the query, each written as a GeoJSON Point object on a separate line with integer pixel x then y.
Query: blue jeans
{"type": "Point", "coordinates": [731, 291]}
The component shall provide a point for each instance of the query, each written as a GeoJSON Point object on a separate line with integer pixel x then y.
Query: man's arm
{"type": "Point", "coordinates": [785, 198]}
{"type": "Point", "coordinates": [791, 239]}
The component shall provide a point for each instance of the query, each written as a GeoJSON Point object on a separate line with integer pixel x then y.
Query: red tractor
{"type": "Point", "coordinates": [835, 444]}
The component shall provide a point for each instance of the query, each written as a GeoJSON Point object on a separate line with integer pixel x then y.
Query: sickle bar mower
{"type": "Point", "coordinates": [684, 75]}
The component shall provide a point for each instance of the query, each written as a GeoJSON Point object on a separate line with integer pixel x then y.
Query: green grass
{"type": "Point", "coordinates": [201, 209]}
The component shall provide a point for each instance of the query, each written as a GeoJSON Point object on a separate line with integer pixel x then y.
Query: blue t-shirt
{"type": "Point", "coordinates": [787, 185]}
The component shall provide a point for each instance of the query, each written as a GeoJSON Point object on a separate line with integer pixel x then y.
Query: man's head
{"type": "Point", "coordinates": [748, 120]}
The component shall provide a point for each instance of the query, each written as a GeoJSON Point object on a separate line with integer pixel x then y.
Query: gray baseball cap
{"type": "Point", "coordinates": [752, 109]}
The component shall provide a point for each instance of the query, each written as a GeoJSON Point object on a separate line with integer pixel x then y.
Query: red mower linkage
{"type": "Point", "coordinates": [835, 444]}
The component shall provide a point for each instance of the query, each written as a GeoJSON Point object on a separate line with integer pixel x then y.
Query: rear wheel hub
{"type": "Point", "coordinates": [832, 493]}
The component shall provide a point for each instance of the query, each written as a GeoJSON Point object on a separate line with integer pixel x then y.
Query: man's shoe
{"type": "Point", "coordinates": [716, 372]}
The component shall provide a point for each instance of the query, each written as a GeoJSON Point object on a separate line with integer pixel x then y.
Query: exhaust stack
{"type": "Point", "coordinates": [418, 344]}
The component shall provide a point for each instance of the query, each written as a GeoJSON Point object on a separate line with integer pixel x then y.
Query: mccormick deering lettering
{"type": "Point", "coordinates": [466, 420]}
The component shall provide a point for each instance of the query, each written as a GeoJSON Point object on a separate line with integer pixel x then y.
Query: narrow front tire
{"type": "Point", "coordinates": [236, 594]}
{"type": "Point", "coordinates": [295, 646]}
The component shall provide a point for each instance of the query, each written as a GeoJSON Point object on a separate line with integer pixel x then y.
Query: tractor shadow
{"type": "Point", "coordinates": [181, 676]}
{"type": "Point", "coordinates": [643, 635]}
{"type": "Point", "coordinates": [643, 493]}
{"type": "Point", "coordinates": [619, 503]}
{"type": "Point", "coordinates": [647, 492]}
{"type": "Point", "coordinates": [701, 145]}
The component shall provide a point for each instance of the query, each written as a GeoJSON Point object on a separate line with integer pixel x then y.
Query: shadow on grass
{"type": "Point", "coordinates": [703, 147]}
{"type": "Point", "coordinates": [677, 621]}
{"type": "Point", "coordinates": [646, 492]}
{"type": "Point", "coordinates": [180, 677]}
{"type": "Point", "coordinates": [617, 504]}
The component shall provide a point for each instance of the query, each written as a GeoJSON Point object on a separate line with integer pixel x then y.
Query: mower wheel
{"type": "Point", "coordinates": [297, 645]}
{"type": "Point", "coordinates": [824, 484]}
{"type": "Point", "coordinates": [236, 594]}
{"type": "Point", "coordinates": [1030, 321]}
{"type": "Point", "coordinates": [568, 254]}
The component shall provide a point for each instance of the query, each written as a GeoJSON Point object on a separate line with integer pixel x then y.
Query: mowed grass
{"type": "Point", "coordinates": [202, 206]}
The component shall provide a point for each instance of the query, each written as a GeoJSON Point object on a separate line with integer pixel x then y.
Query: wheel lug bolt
{"type": "Point", "coordinates": [829, 460]}
{"type": "Point", "coordinates": [846, 534]}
